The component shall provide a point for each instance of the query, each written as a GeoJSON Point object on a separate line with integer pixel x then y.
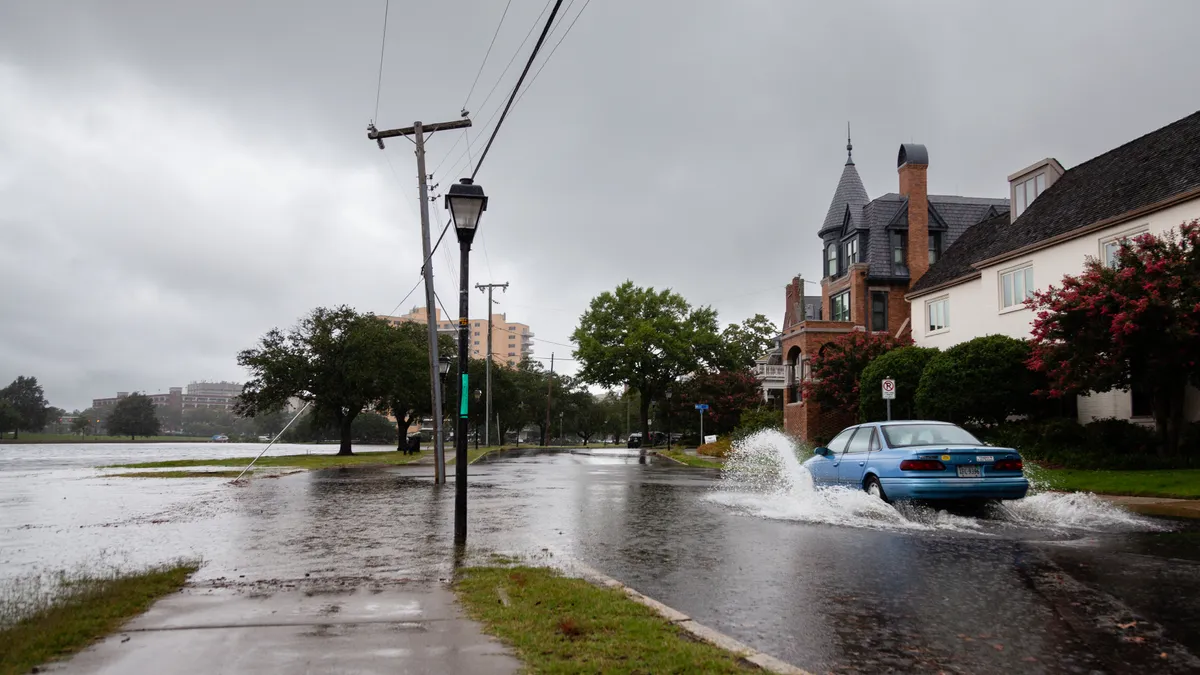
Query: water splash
{"type": "Point", "coordinates": [765, 477]}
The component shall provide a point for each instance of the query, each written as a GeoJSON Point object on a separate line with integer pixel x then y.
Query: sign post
{"type": "Point", "coordinates": [889, 393]}
{"type": "Point", "coordinates": [701, 407]}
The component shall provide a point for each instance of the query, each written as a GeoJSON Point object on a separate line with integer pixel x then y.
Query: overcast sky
{"type": "Point", "coordinates": [178, 178]}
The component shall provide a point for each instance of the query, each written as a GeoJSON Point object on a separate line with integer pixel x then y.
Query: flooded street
{"type": "Point", "coordinates": [828, 582]}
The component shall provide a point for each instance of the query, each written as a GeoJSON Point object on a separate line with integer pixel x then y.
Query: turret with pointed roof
{"type": "Point", "coordinates": [850, 194]}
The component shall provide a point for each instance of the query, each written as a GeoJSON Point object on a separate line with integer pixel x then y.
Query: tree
{"type": "Point", "coordinates": [29, 401]}
{"type": "Point", "coordinates": [10, 419]}
{"type": "Point", "coordinates": [984, 380]}
{"type": "Point", "coordinates": [646, 339]}
{"type": "Point", "coordinates": [206, 422]}
{"type": "Point", "coordinates": [838, 366]}
{"type": "Point", "coordinates": [373, 428]}
{"type": "Point", "coordinates": [1136, 324]}
{"type": "Point", "coordinates": [81, 423]}
{"type": "Point", "coordinates": [133, 416]}
{"type": "Point", "coordinates": [93, 419]}
{"type": "Point", "coordinates": [746, 342]}
{"type": "Point", "coordinates": [407, 394]}
{"type": "Point", "coordinates": [904, 365]}
{"type": "Point", "coordinates": [337, 359]}
{"type": "Point", "coordinates": [727, 393]}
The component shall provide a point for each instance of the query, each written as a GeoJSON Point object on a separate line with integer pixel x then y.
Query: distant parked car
{"type": "Point", "coordinates": [219, 438]}
{"type": "Point", "coordinates": [634, 441]}
{"type": "Point", "coordinates": [918, 460]}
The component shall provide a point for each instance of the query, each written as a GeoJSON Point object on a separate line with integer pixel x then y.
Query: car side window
{"type": "Point", "coordinates": [875, 446]}
{"type": "Point", "coordinates": [838, 444]}
{"type": "Point", "coordinates": [861, 441]}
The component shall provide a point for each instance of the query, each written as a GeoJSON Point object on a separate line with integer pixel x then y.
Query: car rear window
{"type": "Point", "coordinates": [912, 435]}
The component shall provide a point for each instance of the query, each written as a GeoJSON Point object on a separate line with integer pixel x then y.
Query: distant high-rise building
{"type": "Point", "coordinates": [512, 342]}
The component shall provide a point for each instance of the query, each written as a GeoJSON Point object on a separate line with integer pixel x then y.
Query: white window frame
{"type": "Point", "coordinates": [1127, 234]}
{"type": "Point", "coordinates": [833, 305]}
{"type": "Point", "coordinates": [929, 305]}
{"type": "Point", "coordinates": [1027, 279]}
{"type": "Point", "coordinates": [851, 247]}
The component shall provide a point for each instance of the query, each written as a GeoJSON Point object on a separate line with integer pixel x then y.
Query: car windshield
{"type": "Point", "coordinates": [911, 435]}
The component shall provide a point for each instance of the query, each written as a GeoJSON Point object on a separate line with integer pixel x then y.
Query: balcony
{"type": "Point", "coordinates": [770, 373]}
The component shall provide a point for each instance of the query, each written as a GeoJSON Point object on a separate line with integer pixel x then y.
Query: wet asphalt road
{"type": "Point", "coordinates": [984, 593]}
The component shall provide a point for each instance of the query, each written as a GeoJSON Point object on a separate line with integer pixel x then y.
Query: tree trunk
{"type": "Point", "coordinates": [644, 411]}
{"type": "Point", "coordinates": [15, 433]}
{"type": "Point", "coordinates": [344, 429]}
{"type": "Point", "coordinates": [401, 434]}
{"type": "Point", "coordinates": [1168, 416]}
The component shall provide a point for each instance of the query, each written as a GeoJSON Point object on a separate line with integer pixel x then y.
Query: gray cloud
{"type": "Point", "coordinates": [175, 179]}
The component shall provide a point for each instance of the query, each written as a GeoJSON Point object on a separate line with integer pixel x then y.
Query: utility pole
{"type": "Point", "coordinates": [549, 388]}
{"type": "Point", "coordinates": [418, 131]}
{"type": "Point", "coordinates": [488, 404]}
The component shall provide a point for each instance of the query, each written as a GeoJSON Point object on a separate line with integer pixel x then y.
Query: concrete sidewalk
{"type": "Point", "coordinates": [1157, 506]}
{"type": "Point", "coordinates": [299, 628]}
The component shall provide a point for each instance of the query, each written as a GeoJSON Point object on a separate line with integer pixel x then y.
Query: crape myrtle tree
{"type": "Point", "coordinates": [1135, 323]}
{"type": "Point", "coordinates": [838, 366]}
{"type": "Point", "coordinates": [336, 359]}
{"type": "Point", "coordinates": [647, 339]}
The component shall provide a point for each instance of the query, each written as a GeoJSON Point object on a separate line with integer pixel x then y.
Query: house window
{"type": "Point", "coordinates": [831, 260]}
{"type": "Point", "coordinates": [879, 310]}
{"type": "Point", "coordinates": [938, 314]}
{"type": "Point", "coordinates": [852, 251]}
{"type": "Point", "coordinates": [1016, 286]}
{"type": "Point", "coordinates": [1110, 247]}
{"type": "Point", "coordinates": [935, 247]}
{"type": "Point", "coordinates": [1026, 191]}
{"type": "Point", "coordinates": [899, 253]}
{"type": "Point", "coordinates": [840, 306]}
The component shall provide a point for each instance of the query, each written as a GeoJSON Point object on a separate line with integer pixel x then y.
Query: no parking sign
{"type": "Point", "coordinates": [889, 389]}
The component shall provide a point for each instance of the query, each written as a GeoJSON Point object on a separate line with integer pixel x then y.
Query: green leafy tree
{"type": "Point", "coordinates": [407, 394]}
{"type": "Point", "coordinates": [28, 399]}
{"type": "Point", "coordinates": [337, 359]}
{"type": "Point", "coordinates": [746, 342]}
{"type": "Point", "coordinates": [10, 419]}
{"type": "Point", "coordinates": [837, 368]}
{"type": "Point", "coordinates": [904, 365]}
{"type": "Point", "coordinates": [94, 419]}
{"type": "Point", "coordinates": [759, 419]}
{"type": "Point", "coordinates": [981, 381]}
{"type": "Point", "coordinates": [374, 429]}
{"type": "Point", "coordinates": [133, 416]}
{"type": "Point", "coordinates": [1134, 323]}
{"type": "Point", "coordinates": [207, 422]}
{"type": "Point", "coordinates": [644, 338]}
{"type": "Point", "coordinates": [81, 424]}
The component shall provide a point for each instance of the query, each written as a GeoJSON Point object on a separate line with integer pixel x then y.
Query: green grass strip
{"type": "Point", "coordinates": [35, 630]}
{"type": "Point", "coordinates": [1181, 483]}
{"type": "Point", "coordinates": [318, 461]}
{"type": "Point", "coordinates": [176, 474]}
{"type": "Point", "coordinates": [562, 625]}
{"type": "Point", "coordinates": [684, 458]}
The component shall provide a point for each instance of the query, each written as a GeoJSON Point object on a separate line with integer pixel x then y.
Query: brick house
{"type": "Point", "coordinates": [872, 255]}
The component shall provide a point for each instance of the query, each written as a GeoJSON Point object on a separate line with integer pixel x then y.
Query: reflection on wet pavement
{"type": "Point", "coordinates": [996, 593]}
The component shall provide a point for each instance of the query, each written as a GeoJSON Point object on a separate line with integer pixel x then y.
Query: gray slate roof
{"type": "Point", "coordinates": [1144, 171]}
{"type": "Point", "coordinates": [850, 192]}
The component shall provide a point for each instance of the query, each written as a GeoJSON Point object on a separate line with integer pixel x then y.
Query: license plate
{"type": "Point", "coordinates": [970, 471]}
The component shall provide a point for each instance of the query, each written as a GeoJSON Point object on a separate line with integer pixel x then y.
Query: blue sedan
{"type": "Point", "coordinates": [918, 460]}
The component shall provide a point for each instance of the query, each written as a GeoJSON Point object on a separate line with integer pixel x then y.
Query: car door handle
{"type": "Point", "coordinates": [862, 463]}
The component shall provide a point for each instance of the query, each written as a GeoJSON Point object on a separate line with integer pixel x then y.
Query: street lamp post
{"type": "Point", "coordinates": [477, 395]}
{"type": "Point", "coordinates": [561, 435]}
{"type": "Point", "coordinates": [466, 202]}
{"type": "Point", "coordinates": [668, 419]}
{"type": "Point", "coordinates": [438, 428]}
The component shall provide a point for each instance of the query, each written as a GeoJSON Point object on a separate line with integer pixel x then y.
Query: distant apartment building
{"type": "Point", "coordinates": [213, 395]}
{"type": "Point", "coordinates": [512, 342]}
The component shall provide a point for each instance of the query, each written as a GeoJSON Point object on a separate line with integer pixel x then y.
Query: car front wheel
{"type": "Point", "coordinates": [873, 488]}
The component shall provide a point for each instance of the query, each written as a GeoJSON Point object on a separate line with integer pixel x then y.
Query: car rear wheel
{"type": "Point", "coordinates": [873, 488]}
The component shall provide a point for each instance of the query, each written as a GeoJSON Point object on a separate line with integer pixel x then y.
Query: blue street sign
{"type": "Point", "coordinates": [701, 406]}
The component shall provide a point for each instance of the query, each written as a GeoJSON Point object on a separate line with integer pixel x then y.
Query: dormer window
{"type": "Point", "coordinates": [1026, 191]}
{"type": "Point", "coordinates": [852, 251]}
{"type": "Point", "coordinates": [831, 259]}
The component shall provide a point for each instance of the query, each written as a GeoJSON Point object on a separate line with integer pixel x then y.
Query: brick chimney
{"type": "Point", "coordinates": [912, 164]}
{"type": "Point", "coordinates": [793, 296]}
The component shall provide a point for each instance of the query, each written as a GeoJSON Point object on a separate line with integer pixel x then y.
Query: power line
{"type": "Point", "coordinates": [551, 54]}
{"type": "Point", "coordinates": [538, 339]}
{"type": "Point", "coordinates": [485, 56]}
{"type": "Point", "coordinates": [382, 47]}
{"type": "Point", "coordinates": [406, 296]}
{"type": "Point", "coordinates": [512, 97]}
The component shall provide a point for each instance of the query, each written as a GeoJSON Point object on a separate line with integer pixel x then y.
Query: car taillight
{"type": "Point", "coordinates": [1009, 465]}
{"type": "Point", "coordinates": [922, 465]}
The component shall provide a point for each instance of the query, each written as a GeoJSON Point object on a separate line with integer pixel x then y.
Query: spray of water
{"type": "Point", "coordinates": [765, 477]}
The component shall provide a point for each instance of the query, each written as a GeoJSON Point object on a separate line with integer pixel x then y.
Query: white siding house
{"type": "Point", "coordinates": [981, 286]}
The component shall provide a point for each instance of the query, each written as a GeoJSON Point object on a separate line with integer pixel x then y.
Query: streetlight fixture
{"type": "Point", "coordinates": [668, 419]}
{"type": "Point", "coordinates": [466, 202]}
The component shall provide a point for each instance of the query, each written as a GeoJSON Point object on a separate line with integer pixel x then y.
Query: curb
{"type": "Point", "coordinates": [695, 629]}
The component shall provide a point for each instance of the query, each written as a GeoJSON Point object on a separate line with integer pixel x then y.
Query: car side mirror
{"type": "Point", "coordinates": [823, 451]}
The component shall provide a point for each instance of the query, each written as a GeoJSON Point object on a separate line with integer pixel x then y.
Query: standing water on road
{"type": "Point", "coordinates": [764, 477]}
